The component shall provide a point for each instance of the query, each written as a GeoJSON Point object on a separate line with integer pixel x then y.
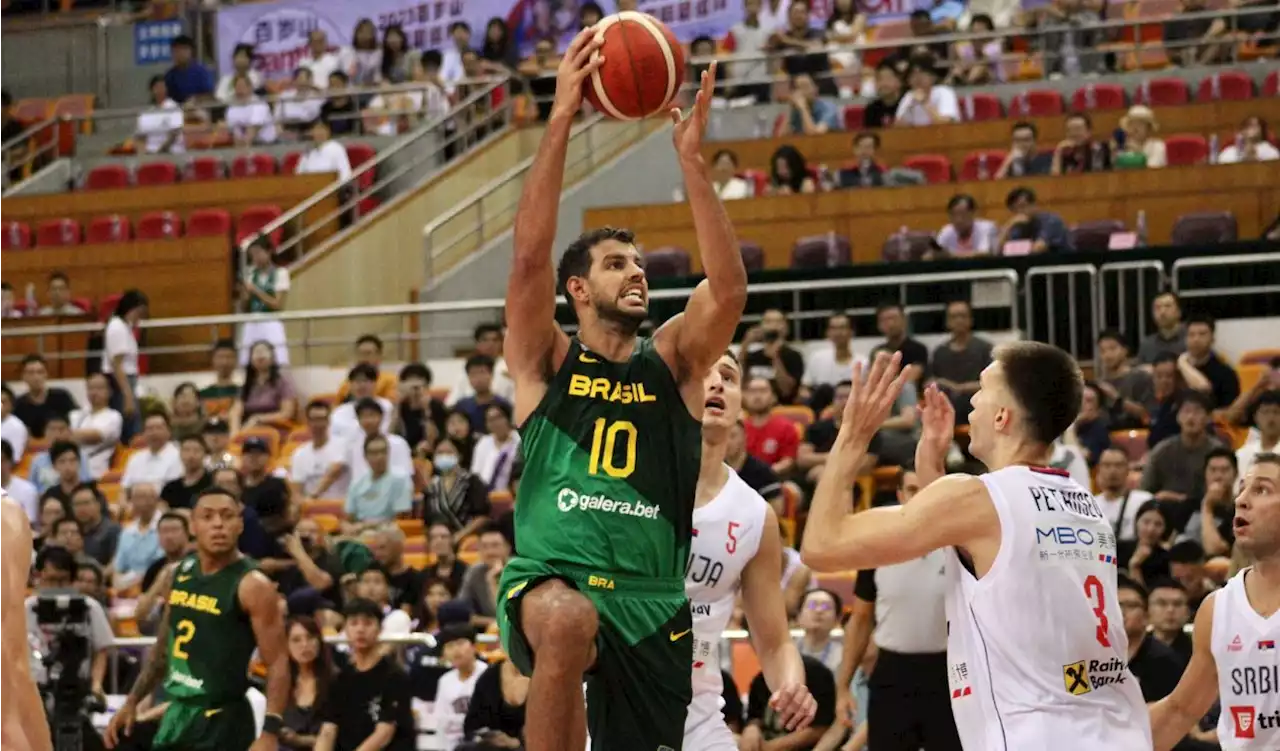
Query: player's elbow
{"type": "Point", "coordinates": [817, 553]}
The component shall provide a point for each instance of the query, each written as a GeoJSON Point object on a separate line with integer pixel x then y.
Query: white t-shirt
{"type": "Point", "coordinates": [118, 340]}
{"type": "Point", "coordinates": [344, 424]}
{"type": "Point", "coordinates": [328, 157]}
{"type": "Point", "coordinates": [453, 698]}
{"type": "Point", "coordinates": [484, 457]}
{"type": "Point", "coordinates": [400, 462]}
{"type": "Point", "coordinates": [943, 99]}
{"type": "Point", "coordinates": [225, 91]}
{"type": "Point", "coordinates": [1111, 507]}
{"type": "Point", "coordinates": [1264, 152]}
{"type": "Point", "coordinates": [309, 464]}
{"type": "Point", "coordinates": [146, 468]}
{"type": "Point", "coordinates": [396, 622]}
{"type": "Point", "coordinates": [108, 423]}
{"type": "Point", "coordinates": [735, 189]}
{"type": "Point", "coordinates": [822, 367]}
{"type": "Point", "coordinates": [298, 107]}
{"type": "Point", "coordinates": [251, 114]}
{"type": "Point", "coordinates": [15, 432]}
{"type": "Point", "coordinates": [25, 495]}
{"type": "Point", "coordinates": [321, 67]}
{"type": "Point", "coordinates": [982, 240]}
{"type": "Point", "coordinates": [1249, 452]}
{"type": "Point", "coordinates": [1071, 458]}
{"type": "Point", "coordinates": [156, 124]}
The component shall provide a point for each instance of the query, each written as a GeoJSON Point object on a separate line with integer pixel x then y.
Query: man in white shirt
{"type": "Point", "coordinates": [370, 414]}
{"type": "Point", "coordinates": [12, 429]}
{"type": "Point", "coordinates": [927, 103]}
{"type": "Point", "coordinates": [157, 463]}
{"type": "Point", "coordinates": [301, 104]}
{"type": "Point", "coordinates": [363, 380]}
{"type": "Point", "coordinates": [22, 492]}
{"type": "Point", "coordinates": [160, 125]}
{"type": "Point", "coordinates": [319, 59]}
{"type": "Point", "coordinates": [488, 338]}
{"type": "Point", "coordinates": [97, 428]}
{"type": "Point", "coordinates": [317, 468]}
{"type": "Point", "coordinates": [325, 154]}
{"type": "Point", "coordinates": [451, 68]}
{"type": "Point", "coordinates": [453, 693]}
{"type": "Point", "coordinates": [1114, 497]}
{"type": "Point", "coordinates": [1266, 418]}
{"type": "Point", "coordinates": [829, 366]}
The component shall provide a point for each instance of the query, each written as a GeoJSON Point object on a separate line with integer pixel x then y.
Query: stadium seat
{"type": "Point", "coordinates": [1186, 149]}
{"type": "Point", "coordinates": [668, 261]}
{"type": "Point", "coordinates": [254, 218]}
{"type": "Point", "coordinates": [1259, 357]}
{"type": "Point", "coordinates": [56, 232]}
{"type": "Point", "coordinates": [289, 165]}
{"type": "Point", "coordinates": [33, 110]}
{"type": "Point", "coordinates": [982, 165]}
{"type": "Point", "coordinates": [1205, 228]}
{"type": "Point", "coordinates": [1036, 103]}
{"type": "Point", "coordinates": [107, 177]}
{"type": "Point", "coordinates": [1098, 96]}
{"type": "Point", "coordinates": [358, 154]}
{"type": "Point", "coordinates": [1271, 86]}
{"type": "Point", "coordinates": [752, 255]}
{"type": "Point", "coordinates": [114, 228]}
{"type": "Point", "coordinates": [821, 251]}
{"type": "Point", "coordinates": [976, 108]}
{"type": "Point", "coordinates": [416, 545]}
{"type": "Point", "coordinates": [1229, 84]}
{"type": "Point", "coordinates": [1131, 442]}
{"type": "Point", "coordinates": [854, 117]}
{"type": "Point", "coordinates": [299, 435]}
{"type": "Point", "coordinates": [156, 173]}
{"type": "Point", "coordinates": [75, 106]}
{"type": "Point", "coordinates": [209, 223]}
{"type": "Point", "coordinates": [16, 236]}
{"type": "Point", "coordinates": [1094, 236]}
{"type": "Point", "coordinates": [1163, 92]}
{"type": "Point", "coordinates": [797, 413]}
{"type": "Point", "coordinates": [936, 167]}
{"type": "Point", "coordinates": [367, 205]}
{"type": "Point", "coordinates": [323, 506]}
{"type": "Point", "coordinates": [107, 306]}
{"type": "Point", "coordinates": [251, 165]}
{"type": "Point", "coordinates": [907, 246]}
{"type": "Point", "coordinates": [159, 225]}
{"type": "Point", "coordinates": [206, 168]}
{"type": "Point", "coordinates": [759, 179]}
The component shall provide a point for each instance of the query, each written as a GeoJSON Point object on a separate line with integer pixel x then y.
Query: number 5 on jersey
{"type": "Point", "coordinates": [604, 442]}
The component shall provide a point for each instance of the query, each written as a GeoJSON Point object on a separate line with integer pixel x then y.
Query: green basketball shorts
{"type": "Point", "coordinates": [192, 727]}
{"type": "Point", "coordinates": [639, 689]}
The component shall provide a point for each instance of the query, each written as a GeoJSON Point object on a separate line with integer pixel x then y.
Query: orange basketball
{"type": "Point", "coordinates": [643, 67]}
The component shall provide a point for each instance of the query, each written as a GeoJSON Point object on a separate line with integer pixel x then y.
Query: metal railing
{"type": "Point", "coordinates": [1048, 301]}
{"type": "Point", "coordinates": [1244, 259]}
{"type": "Point", "coordinates": [1114, 311]}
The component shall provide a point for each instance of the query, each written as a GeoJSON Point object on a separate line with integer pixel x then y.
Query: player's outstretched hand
{"type": "Point", "coordinates": [872, 397]}
{"type": "Point", "coordinates": [121, 724]}
{"type": "Point", "coordinates": [795, 706]}
{"type": "Point", "coordinates": [937, 420]}
{"type": "Point", "coordinates": [690, 128]}
{"type": "Point", "coordinates": [576, 66]}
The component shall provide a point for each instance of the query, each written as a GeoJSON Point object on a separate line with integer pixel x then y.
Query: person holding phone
{"type": "Point", "coordinates": [766, 354]}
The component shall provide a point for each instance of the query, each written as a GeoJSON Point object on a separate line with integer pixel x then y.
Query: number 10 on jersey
{"type": "Point", "coordinates": [604, 442]}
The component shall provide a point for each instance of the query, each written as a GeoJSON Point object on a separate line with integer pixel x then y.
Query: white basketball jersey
{"type": "Point", "coordinates": [1244, 646]}
{"type": "Point", "coordinates": [1036, 649]}
{"type": "Point", "coordinates": [726, 536]}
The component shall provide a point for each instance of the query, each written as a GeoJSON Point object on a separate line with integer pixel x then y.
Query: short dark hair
{"type": "Point", "coordinates": [6, 450]}
{"type": "Point", "coordinates": [925, 63]}
{"type": "Point", "coordinates": [882, 307]}
{"type": "Point", "coordinates": [486, 328]}
{"type": "Point", "coordinates": [174, 516]}
{"type": "Point", "coordinates": [902, 473]}
{"type": "Point", "coordinates": [1222, 452]}
{"type": "Point", "coordinates": [1024, 125]}
{"type": "Point", "coordinates": [1047, 383]}
{"type": "Point", "coordinates": [244, 47]}
{"type": "Point", "coordinates": [363, 370]}
{"type": "Point", "coordinates": [160, 413]}
{"type": "Point", "coordinates": [1203, 319]}
{"type": "Point", "coordinates": [62, 447]}
{"type": "Point", "coordinates": [576, 260]}
{"type": "Point", "coordinates": [501, 407]}
{"type": "Point", "coordinates": [459, 25]}
{"type": "Point", "coordinates": [341, 75]}
{"type": "Point", "coordinates": [1164, 357]}
{"type": "Point", "coordinates": [1080, 116]}
{"type": "Point", "coordinates": [921, 15]}
{"type": "Point", "coordinates": [1187, 551]}
{"type": "Point", "coordinates": [1124, 582]}
{"type": "Point", "coordinates": [212, 491]}
{"type": "Point", "coordinates": [224, 344]}
{"type": "Point", "coordinates": [887, 64]}
{"type": "Point", "coordinates": [1166, 582]}
{"type": "Point", "coordinates": [415, 370]}
{"type": "Point", "coordinates": [4, 388]}
{"type": "Point", "coordinates": [479, 361]}
{"type": "Point", "coordinates": [733, 157]}
{"type": "Point", "coordinates": [1115, 336]}
{"type": "Point", "coordinates": [1200, 399]}
{"type": "Point", "coordinates": [959, 301]}
{"type": "Point", "coordinates": [360, 606]}
{"type": "Point", "coordinates": [960, 198]}
{"type": "Point", "coordinates": [488, 527]}
{"type": "Point", "coordinates": [1268, 397]}
{"type": "Point", "coordinates": [183, 40]}
{"type": "Point", "coordinates": [195, 438]}
{"type": "Point", "coordinates": [1021, 192]}
{"type": "Point", "coordinates": [864, 135]}
{"type": "Point", "coordinates": [377, 568]}
{"type": "Point", "coordinates": [58, 557]}
{"type": "Point", "coordinates": [34, 357]}
{"type": "Point", "coordinates": [368, 404]}
{"type": "Point", "coordinates": [1267, 458]}
{"type": "Point", "coordinates": [318, 404]}
{"type": "Point", "coordinates": [6, 98]}
{"type": "Point", "coordinates": [59, 276]}
{"type": "Point", "coordinates": [369, 339]}
{"type": "Point", "coordinates": [837, 599]}
{"type": "Point", "coordinates": [67, 520]}
{"type": "Point", "coordinates": [1168, 293]}
{"type": "Point", "coordinates": [432, 58]}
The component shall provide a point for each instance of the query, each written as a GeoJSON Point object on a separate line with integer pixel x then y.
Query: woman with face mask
{"type": "Point", "coordinates": [453, 495]}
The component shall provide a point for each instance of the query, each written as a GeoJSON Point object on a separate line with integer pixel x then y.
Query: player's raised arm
{"type": "Point", "coordinates": [705, 331]}
{"type": "Point", "coordinates": [531, 288]}
{"type": "Point", "coordinates": [261, 601]}
{"type": "Point", "coordinates": [1175, 715]}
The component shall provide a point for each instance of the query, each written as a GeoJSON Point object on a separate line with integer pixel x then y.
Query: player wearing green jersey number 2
{"type": "Point", "coordinates": [219, 609]}
{"type": "Point", "coordinates": [611, 442]}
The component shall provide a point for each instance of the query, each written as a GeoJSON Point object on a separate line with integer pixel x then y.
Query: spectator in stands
{"type": "Point", "coordinates": [56, 570]}
{"type": "Point", "coordinates": [311, 668]}
{"type": "Point", "coordinates": [453, 695]}
{"type": "Point", "coordinates": [1170, 335]}
{"type": "Point", "coordinates": [52, 510]}
{"type": "Point", "coordinates": [40, 403]}
{"type": "Point", "coordinates": [764, 352]}
{"type": "Point", "coordinates": [480, 370]}
{"type": "Point", "coordinates": [379, 496]}
{"type": "Point", "coordinates": [187, 418]}
{"type": "Point", "coordinates": [771, 438]}
{"type": "Point", "coordinates": [157, 462]}
{"type": "Point", "coordinates": [759, 476]}
{"type": "Point", "coordinates": [820, 438]}
{"type": "Point", "coordinates": [846, 26]}
{"type": "Point", "coordinates": [883, 110]}
{"type": "Point", "coordinates": [891, 322]}
{"type": "Point", "coordinates": [804, 49]}
{"type": "Point", "coordinates": [704, 48]}
{"type": "Point", "coordinates": [340, 109]}
{"type": "Point", "coordinates": [188, 77]}
{"type": "Point", "coordinates": [426, 616]}
{"type": "Point", "coordinates": [499, 53]}
{"type": "Point", "coordinates": [217, 398]}
{"type": "Point", "coordinates": [1169, 613]}
{"type": "Point", "coordinates": [320, 59]}
{"type": "Point", "coordinates": [1145, 557]}
{"type": "Point", "coordinates": [1079, 152]}
{"type": "Point", "coordinates": [363, 59]}
{"type": "Point", "coordinates": [97, 428]}
{"type": "Point", "coordinates": [1174, 471]}
{"type": "Point", "coordinates": [1241, 411]}
{"type": "Point", "coordinates": [101, 533]}
{"type": "Point", "coordinates": [67, 533]}
{"type": "Point", "coordinates": [927, 103]}
{"type": "Point", "coordinates": [370, 416]}
{"type": "Point", "coordinates": [922, 27]}
{"type": "Point", "coordinates": [979, 61]}
{"type": "Point", "coordinates": [1188, 567]}
{"type": "Point", "coordinates": [1252, 144]}
{"type": "Point", "coordinates": [1092, 427]}
{"type": "Point", "coordinates": [174, 537]}
{"type": "Point", "coordinates": [1044, 230]}
{"type": "Point", "coordinates": [249, 118]}
{"type": "Point", "coordinates": [1023, 160]}
{"type": "Point", "coordinates": [120, 359]}
{"type": "Point", "coordinates": [1179, 31]}
{"type": "Point", "coordinates": [396, 64]}
{"type": "Point", "coordinates": [832, 365]}
{"type": "Point", "coordinates": [13, 127]}
{"type": "Point", "coordinates": [62, 467]}
{"type": "Point", "coordinates": [318, 570]}
{"type": "Point", "coordinates": [455, 495]}
{"type": "Point", "coordinates": [957, 362]}
{"type": "Point", "coordinates": [217, 437]}
{"type": "Point", "coordinates": [371, 680]}
{"type": "Point", "coordinates": [1167, 380]}
{"type": "Point", "coordinates": [447, 568]}
{"type": "Point", "coordinates": [866, 171]}
{"type": "Point", "coordinates": [241, 65]}
{"type": "Point", "coordinates": [1266, 421]}
{"type": "Point", "coordinates": [452, 70]}
{"type": "Point", "coordinates": [1117, 501]}
{"type": "Point", "coordinates": [496, 452]}
{"type": "Point", "coordinates": [480, 586]}
{"type": "Point", "coordinates": [967, 235]}
{"type": "Point", "coordinates": [60, 302]}
{"type": "Point", "coordinates": [19, 489]}
{"type": "Point", "coordinates": [8, 308]}
{"type": "Point", "coordinates": [181, 492]}
{"type": "Point", "coordinates": [1223, 381]}
{"type": "Point", "coordinates": [1139, 146]}
{"type": "Point", "coordinates": [810, 115]}
{"type": "Point", "coordinates": [495, 716]}
{"type": "Point", "coordinates": [263, 490]}
{"type": "Point", "coordinates": [1068, 47]}
{"type": "Point", "coordinates": [317, 467]}
{"type": "Point", "coordinates": [369, 350]}
{"type": "Point", "coordinates": [361, 380]}
{"type": "Point", "coordinates": [326, 155]}
{"type": "Point", "coordinates": [751, 36]}
{"type": "Point", "coordinates": [789, 174]}
{"type": "Point", "coordinates": [764, 728]}
{"type": "Point", "coordinates": [139, 544]}
{"type": "Point", "coordinates": [12, 428]}
{"type": "Point", "coordinates": [488, 339]}
{"type": "Point", "coordinates": [299, 105]}
{"type": "Point", "coordinates": [404, 582]}
{"type": "Point", "coordinates": [538, 74]}
{"type": "Point", "coordinates": [457, 428]}
{"type": "Point", "coordinates": [1154, 663]}
{"type": "Point", "coordinates": [268, 396]}
{"type": "Point", "coordinates": [724, 176]}
{"type": "Point", "coordinates": [160, 126]}
{"type": "Point", "coordinates": [1129, 392]}
{"type": "Point", "coordinates": [419, 412]}
{"type": "Point", "coordinates": [1212, 525]}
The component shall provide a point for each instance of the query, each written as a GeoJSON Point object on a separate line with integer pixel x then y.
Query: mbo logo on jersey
{"type": "Point", "coordinates": [569, 500]}
{"type": "Point", "coordinates": [1088, 675]}
{"type": "Point", "coordinates": [1068, 543]}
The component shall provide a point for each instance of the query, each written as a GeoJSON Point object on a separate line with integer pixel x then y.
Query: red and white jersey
{"type": "Point", "coordinates": [1036, 649]}
{"type": "Point", "coordinates": [1244, 647]}
{"type": "Point", "coordinates": [726, 536]}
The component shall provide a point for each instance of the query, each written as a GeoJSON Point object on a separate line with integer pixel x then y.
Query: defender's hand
{"type": "Point", "coordinates": [687, 135]}
{"type": "Point", "coordinates": [578, 63]}
{"type": "Point", "coordinates": [937, 420]}
{"type": "Point", "coordinates": [872, 397]}
{"type": "Point", "coordinates": [795, 706]}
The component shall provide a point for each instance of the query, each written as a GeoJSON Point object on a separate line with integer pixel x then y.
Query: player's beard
{"type": "Point", "coordinates": [626, 322]}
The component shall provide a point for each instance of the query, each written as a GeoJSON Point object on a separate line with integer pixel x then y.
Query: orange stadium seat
{"type": "Point", "coordinates": [209, 223]}
{"type": "Point", "coordinates": [500, 502]}
{"type": "Point", "coordinates": [417, 560]}
{"type": "Point", "coordinates": [76, 106]}
{"type": "Point", "coordinates": [299, 435]}
{"type": "Point", "coordinates": [159, 225]}
{"type": "Point", "coordinates": [17, 235]}
{"type": "Point", "coordinates": [1259, 357]}
{"type": "Point", "coordinates": [324, 506]}
{"type": "Point", "coordinates": [796, 413]}
{"type": "Point", "coordinates": [410, 527]}
{"type": "Point", "coordinates": [113, 228]}
{"type": "Point", "coordinates": [156, 173]}
{"type": "Point", "coordinates": [58, 232]}
{"type": "Point", "coordinates": [107, 177]}
{"type": "Point", "coordinates": [1250, 375]}
{"type": "Point", "coordinates": [416, 545]}
{"type": "Point", "coordinates": [33, 111]}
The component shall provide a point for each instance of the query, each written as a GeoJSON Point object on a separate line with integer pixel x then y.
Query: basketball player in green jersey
{"type": "Point", "coordinates": [219, 609]}
{"type": "Point", "coordinates": [612, 444]}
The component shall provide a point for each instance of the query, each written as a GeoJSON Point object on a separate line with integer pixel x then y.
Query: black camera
{"type": "Point", "coordinates": [770, 336]}
{"type": "Point", "coordinates": [63, 618]}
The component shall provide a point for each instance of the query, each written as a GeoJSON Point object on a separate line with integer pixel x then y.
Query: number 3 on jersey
{"type": "Point", "coordinates": [1097, 596]}
{"type": "Point", "coordinates": [605, 441]}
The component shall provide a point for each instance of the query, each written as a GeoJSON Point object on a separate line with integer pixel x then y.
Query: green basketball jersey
{"type": "Point", "coordinates": [611, 465]}
{"type": "Point", "coordinates": [210, 637]}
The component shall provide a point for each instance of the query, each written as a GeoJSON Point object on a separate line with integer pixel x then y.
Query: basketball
{"type": "Point", "coordinates": [643, 67]}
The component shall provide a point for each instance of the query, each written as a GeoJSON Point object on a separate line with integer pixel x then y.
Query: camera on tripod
{"type": "Point", "coordinates": [63, 617]}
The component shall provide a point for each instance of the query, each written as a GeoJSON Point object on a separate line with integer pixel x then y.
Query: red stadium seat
{"type": "Point", "coordinates": [936, 167]}
{"type": "Point", "coordinates": [758, 179]}
{"type": "Point", "coordinates": [159, 225]}
{"type": "Point", "coordinates": [367, 205]}
{"type": "Point", "coordinates": [113, 228]}
{"type": "Point", "coordinates": [982, 165]}
{"type": "Point", "coordinates": [289, 165]}
{"type": "Point", "coordinates": [1271, 86]}
{"type": "Point", "coordinates": [16, 236]}
{"type": "Point", "coordinates": [1162, 92]}
{"type": "Point", "coordinates": [107, 305]}
{"type": "Point", "coordinates": [206, 168]}
{"type": "Point", "coordinates": [209, 223]}
{"type": "Point", "coordinates": [1186, 149]}
{"type": "Point", "coordinates": [1036, 103]}
{"type": "Point", "coordinates": [979, 107]}
{"type": "Point", "coordinates": [156, 173]}
{"type": "Point", "coordinates": [821, 251]}
{"type": "Point", "coordinates": [107, 177]}
{"type": "Point", "coordinates": [55, 232]}
{"type": "Point", "coordinates": [1229, 84]}
{"type": "Point", "coordinates": [250, 165]}
{"type": "Point", "coordinates": [254, 219]}
{"type": "Point", "coordinates": [1098, 96]}
{"type": "Point", "coordinates": [358, 154]}
{"type": "Point", "coordinates": [854, 117]}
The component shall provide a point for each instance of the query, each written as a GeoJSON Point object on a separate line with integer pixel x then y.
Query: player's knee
{"type": "Point", "coordinates": [560, 620]}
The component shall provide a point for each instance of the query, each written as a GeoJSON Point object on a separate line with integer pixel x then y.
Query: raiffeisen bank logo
{"type": "Point", "coordinates": [571, 500]}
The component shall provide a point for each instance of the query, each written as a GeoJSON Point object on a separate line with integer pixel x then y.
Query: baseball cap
{"type": "Point", "coordinates": [255, 443]}
{"type": "Point", "coordinates": [456, 632]}
{"type": "Point", "coordinates": [216, 425]}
